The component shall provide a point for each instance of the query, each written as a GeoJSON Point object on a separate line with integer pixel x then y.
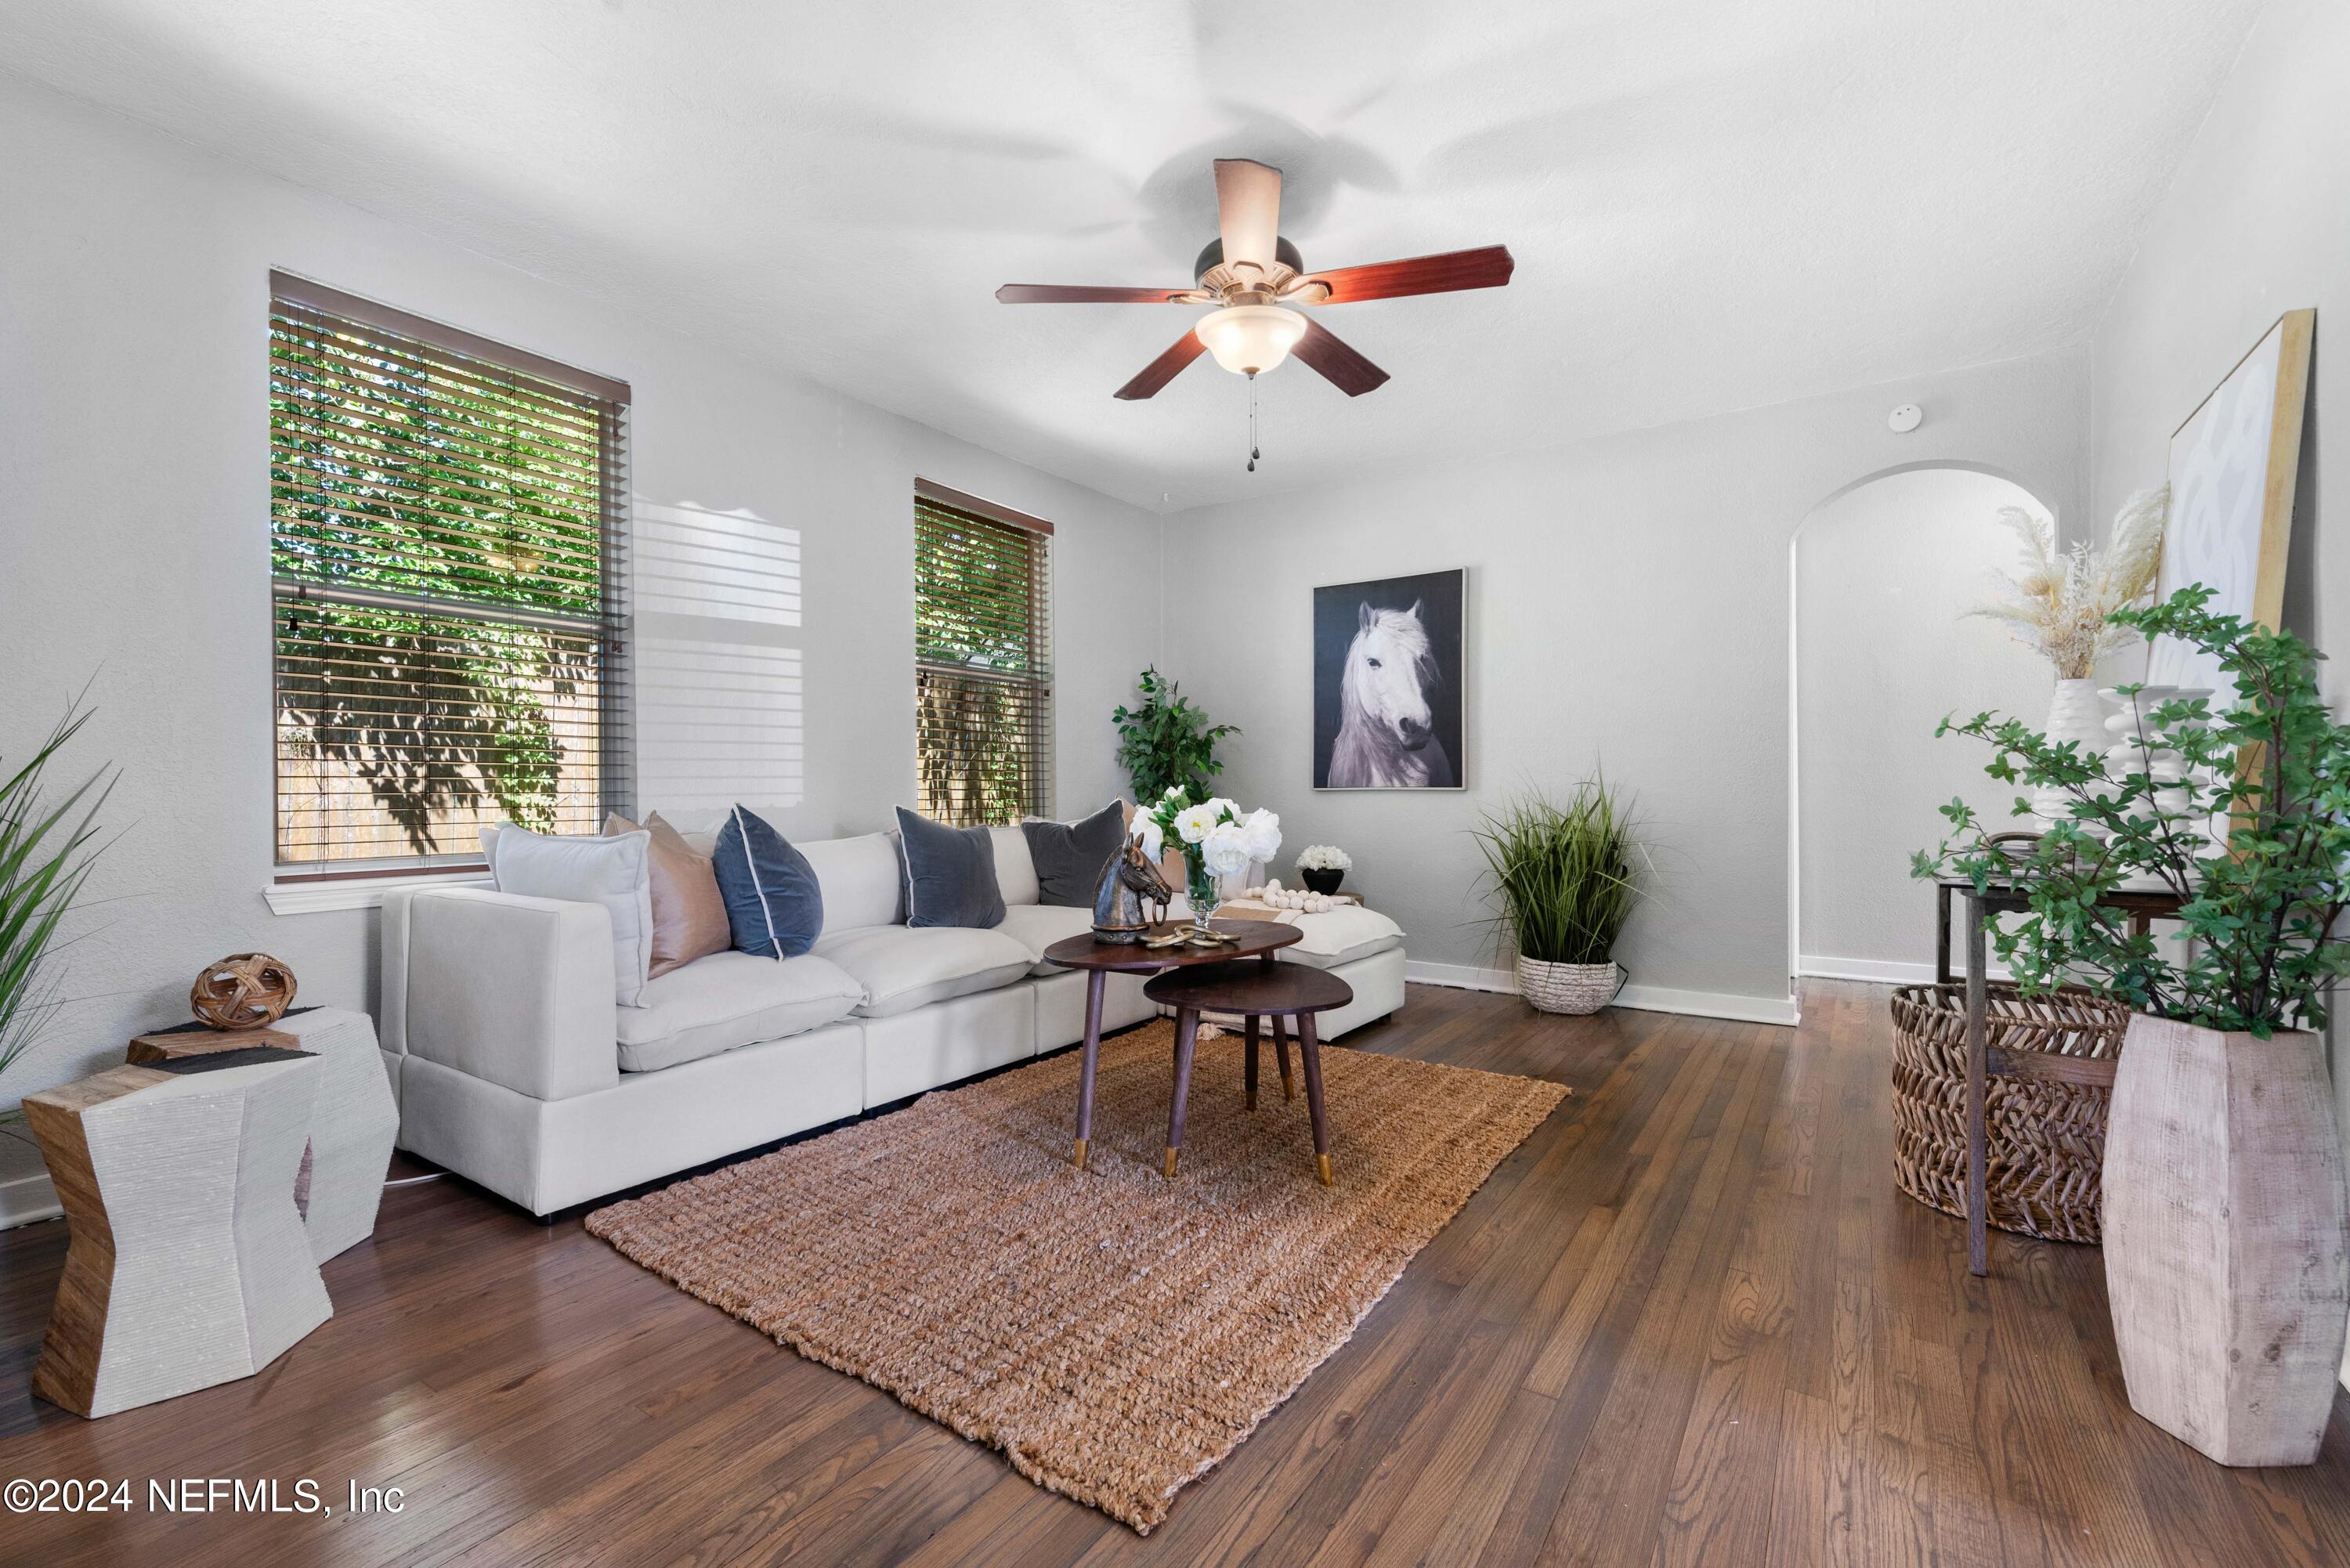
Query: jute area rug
{"type": "Point", "coordinates": [1114, 1332]}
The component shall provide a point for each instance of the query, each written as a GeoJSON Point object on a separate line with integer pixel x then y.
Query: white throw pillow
{"type": "Point", "coordinates": [616, 872]}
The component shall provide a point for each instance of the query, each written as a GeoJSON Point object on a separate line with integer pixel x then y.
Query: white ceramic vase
{"type": "Point", "coordinates": [2074, 714]}
{"type": "Point", "coordinates": [2226, 1238]}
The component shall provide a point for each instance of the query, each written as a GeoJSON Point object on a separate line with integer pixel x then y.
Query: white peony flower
{"type": "Point", "coordinates": [1225, 851]}
{"type": "Point", "coordinates": [1147, 833]}
{"type": "Point", "coordinates": [1195, 822]}
{"type": "Point", "coordinates": [1262, 830]}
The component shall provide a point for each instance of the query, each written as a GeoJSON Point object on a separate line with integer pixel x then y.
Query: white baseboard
{"type": "Point", "coordinates": [1461, 976]}
{"type": "Point", "coordinates": [1876, 971]}
{"type": "Point", "coordinates": [27, 1199]}
{"type": "Point", "coordinates": [1648, 998]}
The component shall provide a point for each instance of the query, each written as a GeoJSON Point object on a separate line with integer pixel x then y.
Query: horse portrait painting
{"type": "Point", "coordinates": [1387, 683]}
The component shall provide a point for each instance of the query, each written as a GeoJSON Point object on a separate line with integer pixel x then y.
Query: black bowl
{"type": "Point", "coordinates": [1323, 880]}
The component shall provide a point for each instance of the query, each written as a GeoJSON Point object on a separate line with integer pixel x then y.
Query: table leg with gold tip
{"type": "Point", "coordinates": [1187, 1037]}
{"type": "Point", "coordinates": [1309, 1048]}
{"type": "Point", "coordinates": [1281, 1054]}
{"type": "Point", "coordinates": [1096, 981]}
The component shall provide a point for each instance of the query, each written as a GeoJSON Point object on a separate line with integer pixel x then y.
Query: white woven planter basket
{"type": "Point", "coordinates": [1577, 988]}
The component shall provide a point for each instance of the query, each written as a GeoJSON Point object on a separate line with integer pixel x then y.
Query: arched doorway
{"type": "Point", "coordinates": [1881, 575]}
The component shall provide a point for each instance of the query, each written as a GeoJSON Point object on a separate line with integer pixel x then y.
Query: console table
{"type": "Point", "coordinates": [2143, 909]}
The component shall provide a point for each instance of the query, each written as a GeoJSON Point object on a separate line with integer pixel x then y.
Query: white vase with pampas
{"type": "Point", "coordinates": [2060, 605]}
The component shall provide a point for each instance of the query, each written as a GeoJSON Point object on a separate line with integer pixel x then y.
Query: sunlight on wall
{"type": "Point", "coordinates": [719, 679]}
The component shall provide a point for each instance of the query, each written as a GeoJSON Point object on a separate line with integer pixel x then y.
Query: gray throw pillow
{"type": "Point", "coordinates": [1070, 855]}
{"type": "Point", "coordinates": [950, 873]}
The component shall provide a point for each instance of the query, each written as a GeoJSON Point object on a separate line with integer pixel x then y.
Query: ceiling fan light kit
{"type": "Point", "coordinates": [1255, 278]}
{"type": "Point", "coordinates": [1250, 339]}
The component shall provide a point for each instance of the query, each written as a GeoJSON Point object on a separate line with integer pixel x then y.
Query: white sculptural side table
{"type": "Point", "coordinates": [353, 1119]}
{"type": "Point", "coordinates": [188, 1264]}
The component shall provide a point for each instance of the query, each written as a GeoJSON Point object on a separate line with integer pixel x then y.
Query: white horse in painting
{"type": "Point", "coordinates": [1385, 739]}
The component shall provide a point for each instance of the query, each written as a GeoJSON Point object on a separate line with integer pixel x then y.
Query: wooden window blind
{"type": "Point", "coordinates": [982, 663]}
{"type": "Point", "coordinates": [447, 570]}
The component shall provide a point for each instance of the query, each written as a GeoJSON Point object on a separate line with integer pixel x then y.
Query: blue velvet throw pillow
{"type": "Point", "coordinates": [774, 906]}
{"type": "Point", "coordinates": [950, 873]}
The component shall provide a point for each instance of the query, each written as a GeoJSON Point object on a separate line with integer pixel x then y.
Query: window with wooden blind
{"type": "Point", "coordinates": [446, 567]}
{"type": "Point", "coordinates": [982, 659]}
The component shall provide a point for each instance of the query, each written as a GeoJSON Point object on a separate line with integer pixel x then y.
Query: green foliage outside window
{"type": "Point", "coordinates": [398, 470]}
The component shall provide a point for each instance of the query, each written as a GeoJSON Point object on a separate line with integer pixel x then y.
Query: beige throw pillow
{"type": "Point", "coordinates": [688, 914]}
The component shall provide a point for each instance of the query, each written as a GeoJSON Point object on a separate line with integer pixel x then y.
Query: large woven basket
{"type": "Point", "coordinates": [2046, 1141]}
{"type": "Point", "coordinates": [1575, 988]}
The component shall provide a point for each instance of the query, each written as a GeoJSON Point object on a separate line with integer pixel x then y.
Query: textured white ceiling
{"type": "Point", "coordinates": [1714, 204]}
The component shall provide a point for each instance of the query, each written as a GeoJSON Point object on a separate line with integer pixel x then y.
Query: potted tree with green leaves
{"type": "Point", "coordinates": [1566, 875]}
{"type": "Point", "coordinates": [2226, 1223]}
{"type": "Point", "coordinates": [1166, 742]}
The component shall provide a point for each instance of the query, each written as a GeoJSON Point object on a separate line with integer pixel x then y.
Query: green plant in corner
{"type": "Point", "coordinates": [1166, 742]}
{"type": "Point", "coordinates": [1566, 874]}
{"type": "Point", "coordinates": [47, 849]}
{"type": "Point", "coordinates": [2262, 899]}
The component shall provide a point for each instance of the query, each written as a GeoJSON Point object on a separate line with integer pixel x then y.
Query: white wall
{"type": "Point", "coordinates": [1629, 605]}
{"type": "Point", "coordinates": [134, 527]}
{"type": "Point", "coordinates": [2255, 224]}
{"type": "Point", "coordinates": [1884, 574]}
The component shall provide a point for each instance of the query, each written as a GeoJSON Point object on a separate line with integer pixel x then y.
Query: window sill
{"type": "Point", "coordinates": [359, 892]}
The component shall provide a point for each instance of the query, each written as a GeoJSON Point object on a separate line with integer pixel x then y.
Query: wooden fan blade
{"type": "Point", "coordinates": [1056, 294]}
{"type": "Point", "coordinates": [1164, 368]}
{"type": "Point", "coordinates": [1340, 365]}
{"type": "Point", "coordinates": [1248, 211]}
{"type": "Point", "coordinates": [1487, 268]}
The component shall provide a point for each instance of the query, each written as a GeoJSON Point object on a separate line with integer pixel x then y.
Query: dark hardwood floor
{"type": "Point", "coordinates": [1690, 1321]}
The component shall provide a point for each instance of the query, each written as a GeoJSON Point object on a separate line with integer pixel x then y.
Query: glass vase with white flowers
{"type": "Point", "coordinates": [1217, 838]}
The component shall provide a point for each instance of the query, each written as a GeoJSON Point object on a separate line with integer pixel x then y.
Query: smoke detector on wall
{"type": "Point", "coordinates": [1905, 419]}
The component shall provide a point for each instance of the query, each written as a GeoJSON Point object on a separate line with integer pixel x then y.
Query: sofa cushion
{"type": "Point", "coordinates": [1340, 935]}
{"type": "Point", "coordinates": [1039, 925]}
{"type": "Point", "coordinates": [1015, 869]}
{"type": "Point", "coordinates": [730, 999]}
{"type": "Point", "coordinates": [615, 872]}
{"type": "Point", "coordinates": [949, 874]}
{"type": "Point", "coordinates": [774, 901]}
{"type": "Point", "coordinates": [688, 911]}
{"type": "Point", "coordinates": [862, 883]}
{"type": "Point", "coordinates": [901, 968]}
{"type": "Point", "coordinates": [1069, 857]}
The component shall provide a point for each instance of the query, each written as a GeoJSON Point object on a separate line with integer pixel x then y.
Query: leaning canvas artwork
{"type": "Point", "coordinates": [2233, 467]}
{"type": "Point", "coordinates": [1389, 682]}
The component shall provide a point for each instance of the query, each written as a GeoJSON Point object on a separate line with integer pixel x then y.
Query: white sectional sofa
{"type": "Point", "coordinates": [514, 1068]}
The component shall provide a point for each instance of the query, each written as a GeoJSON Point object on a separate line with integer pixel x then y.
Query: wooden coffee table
{"type": "Point", "coordinates": [1099, 960]}
{"type": "Point", "coordinates": [1253, 990]}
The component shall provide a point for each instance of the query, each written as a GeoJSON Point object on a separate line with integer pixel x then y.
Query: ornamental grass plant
{"type": "Point", "coordinates": [1566, 873]}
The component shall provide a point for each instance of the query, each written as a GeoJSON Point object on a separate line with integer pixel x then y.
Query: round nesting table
{"type": "Point", "coordinates": [1099, 960]}
{"type": "Point", "coordinates": [1271, 991]}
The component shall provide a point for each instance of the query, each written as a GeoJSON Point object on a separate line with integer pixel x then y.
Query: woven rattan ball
{"type": "Point", "coordinates": [242, 990]}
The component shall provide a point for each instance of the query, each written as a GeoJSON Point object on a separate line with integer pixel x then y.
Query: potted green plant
{"type": "Point", "coordinates": [47, 849]}
{"type": "Point", "coordinates": [2226, 1222]}
{"type": "Point", "coordinates": [1566, 875]}
{"type": "Point", "coordinates": [1166, 743]}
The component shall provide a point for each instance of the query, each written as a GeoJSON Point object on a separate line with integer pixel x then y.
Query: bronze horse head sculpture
{"type": "Point", "coordinates": [1123, 902]}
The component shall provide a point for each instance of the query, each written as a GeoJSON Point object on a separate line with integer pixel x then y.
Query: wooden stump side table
{"type": "Point", "coordinates": [1253, 990]}
{"type": "Point", "coordinates": [186, 1262]}
{"type": "Point", "coordinates": [1099, 960]}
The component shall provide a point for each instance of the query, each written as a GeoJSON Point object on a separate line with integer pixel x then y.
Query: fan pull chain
{"type": "Point", "coordinates": [1254, 453]}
